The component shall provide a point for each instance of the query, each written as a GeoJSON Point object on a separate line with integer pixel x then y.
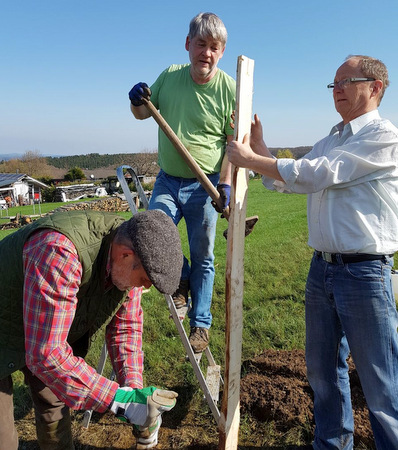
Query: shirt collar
{"type": "Point", "coordinates": [355, 125]}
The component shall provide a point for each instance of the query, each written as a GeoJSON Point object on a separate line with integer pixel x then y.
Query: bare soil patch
{"type": "Point", "coordinates": [273, 389]}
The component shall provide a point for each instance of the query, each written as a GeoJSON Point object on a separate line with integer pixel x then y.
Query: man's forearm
{"type": "Point", "coordinates": [242, 155]}
{"type": "Point", "coordinates": [140, 112]}
{"type": "Point", "coordinates": [225, 172]}
{"type": "Point", "coordinates": [124, 341]}
{"type": "Point", "coordinates": [261, 149]}
{"type": "Point", "coordinates": [266, 166]}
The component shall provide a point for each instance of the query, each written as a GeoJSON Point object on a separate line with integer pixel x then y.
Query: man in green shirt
{"type": "Point", "coordinates": [197, 101]}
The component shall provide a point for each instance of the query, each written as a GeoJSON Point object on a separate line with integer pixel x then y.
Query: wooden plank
{"type": "Point", "coordinates": [230, 414]}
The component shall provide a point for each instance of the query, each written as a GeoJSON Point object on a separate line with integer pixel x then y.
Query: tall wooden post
{"type": "Point", "coordinates": [230, 414]}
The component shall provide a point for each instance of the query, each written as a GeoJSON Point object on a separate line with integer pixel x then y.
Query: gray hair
{"type": "Point", "coordinates": [372, 68]}
{"type": "Point", "coordinates": [206, 25]}
{"type": "Point", "coordinates": [123, 236]}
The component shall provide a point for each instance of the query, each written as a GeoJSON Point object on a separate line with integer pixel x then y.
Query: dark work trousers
{"type": "Point", "coordinates": [8, 433]}
{"type": "Point", "coordinates": [53, 424]}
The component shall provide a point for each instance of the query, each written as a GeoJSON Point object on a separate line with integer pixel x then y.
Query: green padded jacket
{"type": "Point", "coordinates": [91, 232]}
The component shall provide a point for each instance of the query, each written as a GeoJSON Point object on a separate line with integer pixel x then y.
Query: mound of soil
{"type": "Point", "coordinates": [276, 388]}
{"type": "Point", "coordinates": [273, 389]}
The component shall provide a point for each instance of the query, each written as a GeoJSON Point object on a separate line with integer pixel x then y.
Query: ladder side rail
{"type": "Point", "coordinates": [173, 311]}
{"type": "Point", "coordinates": [192, 358]}
{"type": "Point", "coordinates": [100, 368]}
{"type": "Point", "coordinates": [125, 188]}
{"type": "Point", "coordinates": [104, 352]}
{"type": "Point", "coordinates": [138, 185]}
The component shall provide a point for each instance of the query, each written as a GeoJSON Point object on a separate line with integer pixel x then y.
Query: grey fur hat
{"type": "Point", "coordinates": [157, 243]}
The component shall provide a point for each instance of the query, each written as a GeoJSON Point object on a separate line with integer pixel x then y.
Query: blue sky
{"type": "Point", "coordinates": [67, 66]}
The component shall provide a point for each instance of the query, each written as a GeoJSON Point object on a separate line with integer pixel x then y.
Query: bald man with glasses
{"type": "Point", "coordinates": [351, 180]}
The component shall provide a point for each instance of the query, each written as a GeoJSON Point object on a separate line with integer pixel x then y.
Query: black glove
{"type": "Point", "coordinates": [225, 192]}
{"type": "Point", "coordinates": [139, 91]}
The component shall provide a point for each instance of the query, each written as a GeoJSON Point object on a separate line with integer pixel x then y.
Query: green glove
{"type": "Point", "coordinates": [142, 406]}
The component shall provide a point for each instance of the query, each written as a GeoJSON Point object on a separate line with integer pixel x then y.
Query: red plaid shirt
{"type": "Point", "coordinates": [52, 278]}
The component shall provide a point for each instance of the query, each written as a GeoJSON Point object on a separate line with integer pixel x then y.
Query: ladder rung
{"type": "Point", "coordinates": [213, 377]}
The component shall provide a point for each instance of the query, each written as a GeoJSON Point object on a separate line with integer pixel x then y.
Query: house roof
{"type": "Point", "coordinates": [8, 179]}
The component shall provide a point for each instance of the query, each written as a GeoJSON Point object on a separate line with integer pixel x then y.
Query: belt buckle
{"type": "Point", "coordinates": [328, 257]}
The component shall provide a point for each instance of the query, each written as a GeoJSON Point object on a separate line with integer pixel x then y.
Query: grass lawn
{"type": "Point", "coordinates": [276, 264]}
{"type": "Point", "coordinates": [29, 210]}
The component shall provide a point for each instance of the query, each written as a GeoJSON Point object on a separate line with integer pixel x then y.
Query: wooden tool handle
{"type": "Point", "coordinates": [192, 164]}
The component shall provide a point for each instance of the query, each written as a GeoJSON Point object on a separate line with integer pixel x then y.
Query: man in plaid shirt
{"type": "Point", "coordinates": [62, 278]}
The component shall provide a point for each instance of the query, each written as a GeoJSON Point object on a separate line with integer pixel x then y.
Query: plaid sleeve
{"type": "Point", "coordinates": [124, 341]}
{"type": "Point", "coordinates": [52, 279]}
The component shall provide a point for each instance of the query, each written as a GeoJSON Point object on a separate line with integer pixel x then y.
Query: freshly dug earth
{"type": "Point", "coordinates": [274, 390]}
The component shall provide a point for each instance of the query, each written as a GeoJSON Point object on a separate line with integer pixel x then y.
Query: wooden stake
{"type": "Point", "coordinates": [230, 414]}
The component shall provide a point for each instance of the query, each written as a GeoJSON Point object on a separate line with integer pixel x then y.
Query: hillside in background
{"type": "Point", "coordinates": [95, 160]}
{"type": "Point", "coordinates": [104, 165]}
{"type": "Point", "coordinates": [97, 166]}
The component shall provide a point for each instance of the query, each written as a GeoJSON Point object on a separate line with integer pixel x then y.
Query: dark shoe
{"type": "Point", "coordinates": [180, 296]}
{"type": "Point", "coordinates": [199, 339]}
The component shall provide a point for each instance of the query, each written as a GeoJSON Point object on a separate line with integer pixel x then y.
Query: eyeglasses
{"type": "Point", "coordinates": [342, 84]}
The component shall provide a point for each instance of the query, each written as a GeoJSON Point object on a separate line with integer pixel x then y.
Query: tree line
{"type": "Point", "coordinates": [145, 163]}
{"type": "Point", "coordinates": [95, 160]}
{"type": "Point", "coordinates": [37, 166]}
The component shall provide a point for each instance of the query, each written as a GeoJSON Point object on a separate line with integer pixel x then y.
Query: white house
{"type": "Point", "coordinates": [20, 188]}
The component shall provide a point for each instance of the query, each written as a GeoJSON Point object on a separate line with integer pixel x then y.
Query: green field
{"type": "Point", "coordinates": [27, 210]}
{"type": "Point", "coordinates": [276, 264]}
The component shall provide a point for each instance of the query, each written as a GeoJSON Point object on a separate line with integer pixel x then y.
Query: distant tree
{"type": "Point", "coordinates": [286, 153]}
{"type": "Point", "coordinates": [48, 194]}
{"type": "Point", "coordinates": [12, 166]}
{"type": "Point", "coordinates": [74, 174]}
{"type": "Point", "coordinates": [31, 163]}
{"type": "Point", "coordinates": [46, 179]}
{"type": "Point", "coordinates": [35, 165]}
{"type": "Point", "coordinates": [145, 163]}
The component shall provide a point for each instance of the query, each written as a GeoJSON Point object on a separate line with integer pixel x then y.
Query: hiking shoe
{"type": "Point", "coordinates": [199, 339]}
{"type": "Point", "coordinates": [180, 296]}
{"type": "Point", "coordinates": [147, 437]}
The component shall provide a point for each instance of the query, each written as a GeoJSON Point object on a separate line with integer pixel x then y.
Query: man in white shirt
{"type": "Point", "coordinates": [351, 179]}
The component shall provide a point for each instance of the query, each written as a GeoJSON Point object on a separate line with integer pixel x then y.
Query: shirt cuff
{"type": "Point", "coordinates": [288, 172]}
{"type": "Point", "coordinates": [108, 398]}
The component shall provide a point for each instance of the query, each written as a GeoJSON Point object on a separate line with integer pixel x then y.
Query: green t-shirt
{"type": "Point", "coordinates": [200, 115]}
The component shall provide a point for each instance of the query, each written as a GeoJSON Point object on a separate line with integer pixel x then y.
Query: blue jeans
{"type": "Point", "coordinates": [185, 197]}
{"type": "Point", "coordinates": [351, 308]}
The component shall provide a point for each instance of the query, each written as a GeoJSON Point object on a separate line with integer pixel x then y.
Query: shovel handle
{"type": "Point", "coordinates": [184, 153]}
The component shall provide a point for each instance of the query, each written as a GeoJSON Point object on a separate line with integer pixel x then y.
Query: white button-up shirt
{"type": "Point", "coordinates": [351, 178]}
